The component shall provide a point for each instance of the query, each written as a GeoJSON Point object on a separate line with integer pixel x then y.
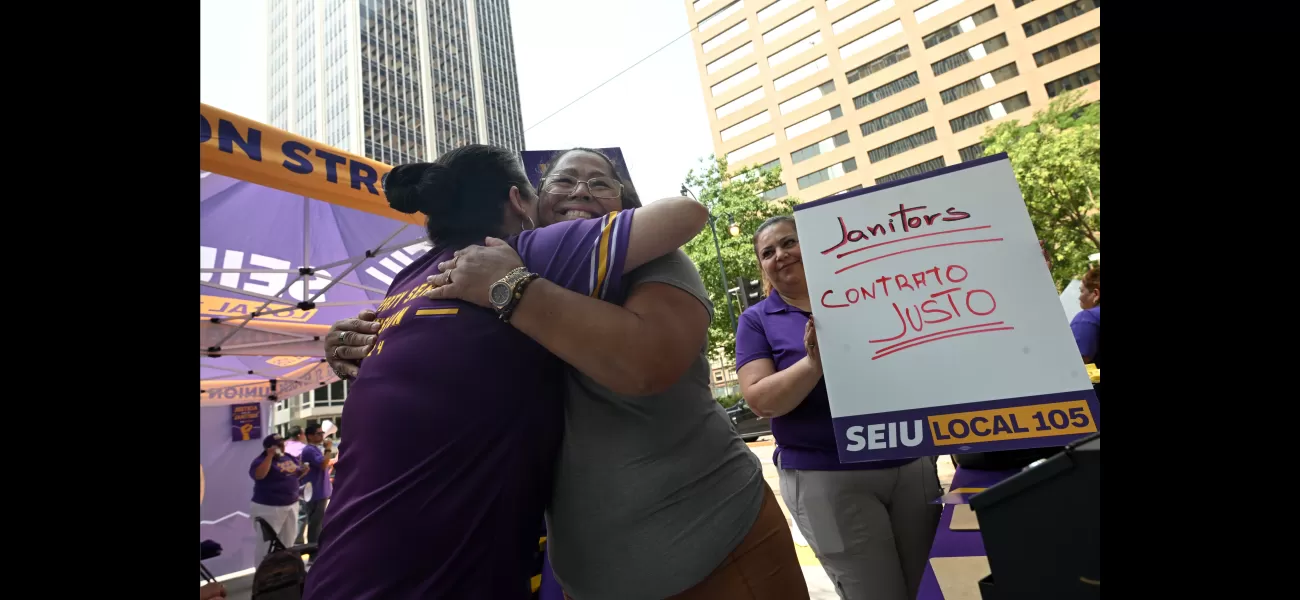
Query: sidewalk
{"type": "Point", "coordinates": [819, 585]}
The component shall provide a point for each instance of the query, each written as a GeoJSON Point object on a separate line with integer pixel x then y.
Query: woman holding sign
{"type": "Point", "coordinates": [869, 523]}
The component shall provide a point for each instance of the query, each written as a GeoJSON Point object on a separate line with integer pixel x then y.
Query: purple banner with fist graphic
{"type": "Point", "coordinates": [245, 422]}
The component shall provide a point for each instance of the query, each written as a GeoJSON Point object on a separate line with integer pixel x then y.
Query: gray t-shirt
{"type": "Point", "coordinates": [651, 492]}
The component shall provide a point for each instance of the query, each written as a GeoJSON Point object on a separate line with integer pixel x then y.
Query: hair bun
{"type": "Point", "coordinates": [418, 187]}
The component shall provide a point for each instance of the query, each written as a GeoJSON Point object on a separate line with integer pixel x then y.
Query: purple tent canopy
{"type": "Point", "coordinates": [276, 269]}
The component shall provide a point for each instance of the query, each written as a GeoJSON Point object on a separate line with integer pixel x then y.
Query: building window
{"type": "Point", "coordinates": [1020, 3]}
{"type": "Point", "coordinates": [794, 49]}
{"type": "Point", "coordinates": [897, 147]}
{"type": "Point", "coordinates": [997, 110]}
{"type": "Point", "coordinates": [717, 376]}
{"type": "Point", "coordinates": [775, 8]}
{"type": "Point", "coordinates": [740, 103]}
{"type": "Point", "coordinates": [1050, 54]}
{"type": "Point", "coordinates": [781, 30]}
{"type": "Point", "coordinates": [856, 187]}
{"type": "Point", "coordinates": [717, 17]}
{"type": "Point", "coordinates": [747, 125]}
{"type": "Point", "coordinates": [799, 74]}
{"type": "Point", "coordinates": [734, 80]}
{"type": "Point", "coordinates": [971, 152]}
{"type": "Point", "coordinates": [729, 58]}
{"type": "Point", "coordinates": [861, 15]}
{"type": "Point", "coordinates": [813, 122]}
{"type": "Point", "coordinates": [775, 193]}
{"type": "Point", "coordinates": [769, 165]}
{"type": "Point", "coordinates": [826, 145]}
{"type": "Point", "coordinates": [866, 42]}
{"type": "Point", "coordinates": [887, 90]}
{"type": "Point", "coordinates": [978, 84]}
{"type": "Point", "coordinates": [889, 58]}
{"type": "Point", "coordinates": [913, 170]}
{"type": "Point", "coordinates": [951, 31]}
{"type": "Point", "coordinates": [832, 172]}
{"type": "Point", "coordinates": [716, 41]}
{"type": "Point", "coordinates": [895, 117]}
{"type": "Point", "coordinates": [971, 54]}
{"type": "Point", "coordinates": [1074, 80]}
{"type": "Point", "coordinates": [750, 149]}
{"type": "Point", "coordinates": [806, 98]}
{"type": "Point", "coordinates": [1058, 16]}
{"type": "Point", "coordinates": [933, 9]}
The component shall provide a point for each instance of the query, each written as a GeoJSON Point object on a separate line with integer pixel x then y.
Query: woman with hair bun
{"type": "Point", "coordinates": [454, 423]}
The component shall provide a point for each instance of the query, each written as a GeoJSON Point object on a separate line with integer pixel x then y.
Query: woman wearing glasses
{"type": "Point", "coordinates": [655, 496]}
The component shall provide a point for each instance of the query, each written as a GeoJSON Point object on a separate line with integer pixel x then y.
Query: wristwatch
{"type": "Point", "coordinates": [506, 292]}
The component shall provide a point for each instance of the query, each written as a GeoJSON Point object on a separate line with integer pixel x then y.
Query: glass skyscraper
{"type": "Point", "coordinates": [395, 80]}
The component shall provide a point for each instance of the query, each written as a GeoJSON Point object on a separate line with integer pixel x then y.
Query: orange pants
{"type": "Point", "coordinates": [762, 567]}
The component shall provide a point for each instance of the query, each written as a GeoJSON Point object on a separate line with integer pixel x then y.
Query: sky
{"type": "Point", "coordinates": [563, 48]}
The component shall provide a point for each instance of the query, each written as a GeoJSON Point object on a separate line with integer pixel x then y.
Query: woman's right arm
{"type": "Point", "coordinates": [771, 393]}
{"type": "Point", "coordinates": [263, 468]}
{"type": "Point", "coordinates": [661, 227]}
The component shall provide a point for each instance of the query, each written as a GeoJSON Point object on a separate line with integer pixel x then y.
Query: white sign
{"type": "Point", "coordinates": [940, 327]}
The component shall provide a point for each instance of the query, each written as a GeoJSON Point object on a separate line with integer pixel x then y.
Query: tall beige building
{"type": "Point", "coordinates": [844, 94]}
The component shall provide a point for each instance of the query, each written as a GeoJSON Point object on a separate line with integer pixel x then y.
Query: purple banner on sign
{"type": "Point", "coordinates": [536, 161]}
{"type": "Point", "coordinates": [245, 422]}
{"type": "Point", "coordinates": [992, 426]}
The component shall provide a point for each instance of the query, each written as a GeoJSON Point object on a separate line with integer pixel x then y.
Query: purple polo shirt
{"type": "Point", "coordinates": [1086, 326]}
{"type": "Point", "coordinates": [805, 438]}
{"type": "Point", "coordinates": [453, 426]}
{"type": "Point", "coordinates": [318, 476]}
{"type": "Point", "coordinates": [280, 486]}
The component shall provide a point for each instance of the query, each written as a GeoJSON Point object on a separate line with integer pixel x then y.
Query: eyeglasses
{"type": "Point", "coordinates": [600, 187]}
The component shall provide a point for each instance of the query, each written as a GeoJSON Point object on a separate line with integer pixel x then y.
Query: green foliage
{"type": "Point", "coordinates": [732, 197]}
{"type": "Point", "coordinates": [729, 400]}
{"type": "Point", "coordinates": [1057, 160]}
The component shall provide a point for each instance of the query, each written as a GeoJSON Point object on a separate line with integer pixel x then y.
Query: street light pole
{"type": "Point", "coordinates": [726, 297]}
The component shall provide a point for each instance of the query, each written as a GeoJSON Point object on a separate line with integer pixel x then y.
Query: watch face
{"type": "Point", "coordinates": [499, 295]}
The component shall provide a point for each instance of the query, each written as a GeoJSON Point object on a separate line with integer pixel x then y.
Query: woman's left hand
{"type": "Point", "coordinates": [470, 274]}
{"type": "Point", "coordinates": [810, 343]}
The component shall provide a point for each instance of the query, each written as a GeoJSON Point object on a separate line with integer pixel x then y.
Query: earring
{"type": "Point", "coordinates": [531, 224]}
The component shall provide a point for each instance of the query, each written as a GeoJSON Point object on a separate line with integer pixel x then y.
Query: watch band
{"type": "Point", "coordinates": [517, 280]}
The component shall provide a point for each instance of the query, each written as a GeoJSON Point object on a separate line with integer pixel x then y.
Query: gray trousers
{"type": "Point", "coordinates": [314, 511]}
{"type": "Point", "coordinates": [871, 529]}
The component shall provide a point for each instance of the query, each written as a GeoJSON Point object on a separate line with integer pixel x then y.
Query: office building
{"type": "Point", "coordinates": [844, 94]}
{"type": "Point", "coordinates": [398, 81]}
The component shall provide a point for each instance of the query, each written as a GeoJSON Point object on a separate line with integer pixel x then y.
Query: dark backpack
{"type": "Point", "coordinates": [282, 574]}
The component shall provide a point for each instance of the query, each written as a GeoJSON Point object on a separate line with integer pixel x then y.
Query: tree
{"type": "Point", "coordinates": [1057, 160]}
{"type": "Point", "coordinates": [732, 198]}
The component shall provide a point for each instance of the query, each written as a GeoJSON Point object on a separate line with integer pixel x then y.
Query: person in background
{"type": "Point", "coordinates": [869, 523]}
{"type": "Point", "coordinates": [1087, 324]}
{"type": "Point", "coordinates": [317, 459]}
{"type": "Point", "coordinates": [275, 493]}
{"type": "Point", "coordinates": [295, 442]}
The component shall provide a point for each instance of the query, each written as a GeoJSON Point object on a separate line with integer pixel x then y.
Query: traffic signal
{"type": "Point", "coordinates": [751, 292]}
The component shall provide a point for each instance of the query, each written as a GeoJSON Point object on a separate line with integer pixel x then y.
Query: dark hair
{"type": "Point", "coordinates": [295, 432]}
{"type": "Point", "coordinates": [463, 192]}
{"type": "Point", "coordinates": [768, 224]}
{"type": "Point", "coordinates": [630, 198]}
{"type": "Point", "coordinates": [1092, 280]}
{"type": "Point", "coordinates": [313, 429]}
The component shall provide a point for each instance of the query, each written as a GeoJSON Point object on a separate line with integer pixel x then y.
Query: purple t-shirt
{"type": "Point", "coordinates": [453, 426]}
{"type": "Point", "coordinates": [1087, 333]}
{"type": "Point", "coordinates": [805, 438]}
{"type": "Point", "coordinates": [280, 486]}
{"type": "Point", "coordinates": [318, 476]}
